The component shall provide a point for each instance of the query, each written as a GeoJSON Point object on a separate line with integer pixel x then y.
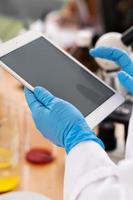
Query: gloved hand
{"type": "Point", "coordinates": [58, 120]}
{"type": "Point", "coordinates": [122, 59]}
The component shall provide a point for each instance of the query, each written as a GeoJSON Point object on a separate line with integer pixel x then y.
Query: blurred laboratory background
{"type": "Point", "coordinates": [28, 162]}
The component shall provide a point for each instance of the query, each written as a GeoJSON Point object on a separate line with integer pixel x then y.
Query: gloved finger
{"type": "Point", "coordinates": [114, 54]}
{"type": "Point", "coordinates": [101, 52]}
{"type": "Point", "coordinates": [43, 95]}
{"type": "Point", "coordinates": [31, 99]}
{"type": "Point", "coordinates": [126, 80]}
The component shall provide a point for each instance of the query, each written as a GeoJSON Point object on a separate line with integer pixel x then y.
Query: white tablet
{"type": "Point", "coordinates": [36, 61]}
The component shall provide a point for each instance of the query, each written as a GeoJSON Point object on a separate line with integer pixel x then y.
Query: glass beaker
{"type": "Point", "coordinates": [38, 150]}
{"type": "Point", "coordinates": [9, 146]}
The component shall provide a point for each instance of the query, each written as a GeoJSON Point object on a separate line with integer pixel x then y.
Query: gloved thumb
{"type": "Point", "coordinates": [31, 100]}
{"type": "Point", "coordinates": [43, 95]}
{"type": "Point", "coordinates": [126, 80]}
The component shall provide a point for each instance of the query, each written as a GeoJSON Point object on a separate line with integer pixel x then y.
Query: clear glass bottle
{"type": "Point", "coordinates": [9, 146]}
{"type": "Point", "coordinates": [38, 150]}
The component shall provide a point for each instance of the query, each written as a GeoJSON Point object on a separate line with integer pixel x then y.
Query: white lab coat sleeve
{"type": "Point", "coordinates": [126, 166]}
{"type": "Point", "coordinates": [90, 174]}
{"type": "Point", "coordinates": [129, 143]}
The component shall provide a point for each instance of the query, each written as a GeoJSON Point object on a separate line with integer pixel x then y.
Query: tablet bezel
{"type": "Point", "coordinates": [93, 118]}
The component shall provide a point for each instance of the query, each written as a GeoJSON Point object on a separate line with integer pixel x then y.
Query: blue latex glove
{"type": "Point", "coordinates": [122, 59]}
{"type": "Point", "coordinates": [58, 120]}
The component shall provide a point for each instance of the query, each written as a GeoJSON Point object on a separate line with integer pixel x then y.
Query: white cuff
{"type": "Point", "coordinates": [86, 163]}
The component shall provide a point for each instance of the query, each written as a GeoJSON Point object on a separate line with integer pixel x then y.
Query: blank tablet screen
{"type": "Point", "coordinates": [42, 64]}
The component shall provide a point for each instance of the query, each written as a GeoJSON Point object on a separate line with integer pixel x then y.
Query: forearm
{"type": "Point", "coordinates": [90, 171]}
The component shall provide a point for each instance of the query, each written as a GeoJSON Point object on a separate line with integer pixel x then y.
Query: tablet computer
{"type": "Point", "coordinates": [36, 61]}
